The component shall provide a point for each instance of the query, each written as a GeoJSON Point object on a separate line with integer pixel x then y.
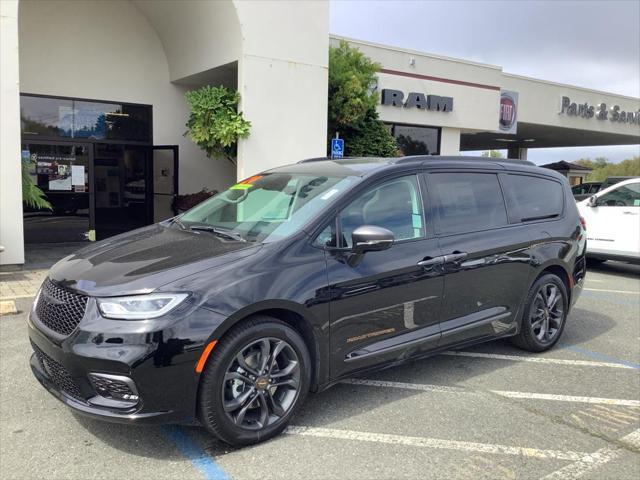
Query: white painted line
{"type": "Point", "coordinates": [594, 460]}
{"type": "Point", "coordinates": [436, 443]}
{"type": "Point", "coordinates": [521, 358]}
{"type": "Point", "coordinates": [502, 393]}
{"type": "Point", "coordinates": [630, 292]}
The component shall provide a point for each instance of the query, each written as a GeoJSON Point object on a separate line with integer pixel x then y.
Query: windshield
{"type": "Point", "coordinates": [268, 207]}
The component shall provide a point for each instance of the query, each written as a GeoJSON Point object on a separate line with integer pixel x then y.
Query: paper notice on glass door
{"type": "Point", "coordinates": [77, 174]}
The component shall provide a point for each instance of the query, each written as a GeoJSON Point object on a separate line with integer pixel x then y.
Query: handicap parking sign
{"type": "Point", "coordinates": [337, 148]}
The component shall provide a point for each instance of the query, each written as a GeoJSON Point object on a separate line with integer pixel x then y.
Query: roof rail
{"type": "Point", "coordinates": [417, 158]}
{"type": "Point", "coordinates": [314, 159]}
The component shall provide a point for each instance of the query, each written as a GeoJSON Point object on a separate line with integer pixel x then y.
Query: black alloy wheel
{"type": "Point", "coordinates": [255, 379]}
{"type": "Point", "coordinates": [547, 312]}
{"type": "Point", "coordinates": [544, 314]}
{"type": "Point", "coordinates": [261, 383]}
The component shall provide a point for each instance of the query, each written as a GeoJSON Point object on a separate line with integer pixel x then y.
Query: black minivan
{"type": "Point", "coordinates": [296, 278]}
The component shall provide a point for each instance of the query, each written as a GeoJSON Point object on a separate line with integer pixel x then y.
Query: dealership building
{"type": "Point", "coordinates": [92, 96]}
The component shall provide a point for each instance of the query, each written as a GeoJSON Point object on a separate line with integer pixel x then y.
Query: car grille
{"type": "Point", "coordinates": [58, 375]}
{"type": "Point", "coordinates": [112, 388]}
{"type": "Point", "coordinates": [58, 309]}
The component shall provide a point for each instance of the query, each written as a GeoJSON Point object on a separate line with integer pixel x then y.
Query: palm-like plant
{"type": "Point", "coordinates": [32, 195]}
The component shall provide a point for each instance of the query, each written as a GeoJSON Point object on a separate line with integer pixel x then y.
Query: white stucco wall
{"type": "Point", "coordinates": [11, 234]}
{"type": "Point", "coordinates": [110, 51]}
{"type": "Point", "coordinates": [475, 108]}
{"type": "Point", "coordinates": [283, 72]}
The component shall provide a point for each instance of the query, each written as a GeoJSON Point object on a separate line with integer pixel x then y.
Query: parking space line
{"type": "Point", "coordinates": [435, 443]}
{"type": "Point", "coordinates": [194, 453]}
{"type": "Point", "coordinates": [594, 460]}
{"type": "Point", "coordinates": [598, 355]}
{"type": "Point", "coordinates": [502, 393]}
{"type": "Point", "coordinates": [630, 292]}
{"type": "Point", "coordinates": [556, 361]}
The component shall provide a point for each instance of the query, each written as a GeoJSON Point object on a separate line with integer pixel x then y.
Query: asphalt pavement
{"type": "Point", "coordinates": [490, 411]}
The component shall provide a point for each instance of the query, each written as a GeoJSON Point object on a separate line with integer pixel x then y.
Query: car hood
{"type": "Point", "coordinates": [143, 260]}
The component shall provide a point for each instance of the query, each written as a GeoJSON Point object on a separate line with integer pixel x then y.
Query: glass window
{"type": "Point", "coordinates": [46, 117]}
{"type": "Point", "coordinates": [111, 121]}
{"type": "Point", "coordinates": [53, 117]}
{"type": "Point", "coordinates": [327, 238]}
{"type": "Point", "coordinates": [394, 205]}
{"type": "Point", "coordinates": [581, 189]}
{"type": "Point", "coordinates": [416, 140]}
{"type": "Point", "coordinates": [467, 202]}
{"type": "Point", "coordinates": [268, 207]}
{"type": "Point", "coordinates": [533, 198]}
{"type": "Point", "coordinates": [623, 196]}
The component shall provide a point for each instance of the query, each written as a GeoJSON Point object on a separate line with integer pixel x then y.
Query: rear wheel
{"type": "Point", "coordinates": [544, 314]}
{"type": "Point", "coordinates": [256, 378]}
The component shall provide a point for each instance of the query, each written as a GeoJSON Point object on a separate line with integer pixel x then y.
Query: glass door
{"type": "Point", "coordinates": [122, 193]}
{"type": "Point", "coordinates": [62, 171]}
{"type": "Point", "coordinates": [165, 181]}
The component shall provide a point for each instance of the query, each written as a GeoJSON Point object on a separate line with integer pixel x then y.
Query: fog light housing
{"type": "Point", "coordinates": [113, 390]}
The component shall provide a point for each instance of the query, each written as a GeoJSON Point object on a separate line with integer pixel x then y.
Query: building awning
{"type": "Point", "coordinates": [541, 136]}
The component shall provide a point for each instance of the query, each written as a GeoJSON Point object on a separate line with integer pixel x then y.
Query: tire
{"type": "Point", "coordinates": [249, 407]}
{"type": "Point", "coordinates": [542, 327]}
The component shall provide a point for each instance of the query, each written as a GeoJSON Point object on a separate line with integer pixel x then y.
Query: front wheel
{"type": "Point", "coordinates": [544, 315]}
{"type": "Point", "coordinates": [256, 378]}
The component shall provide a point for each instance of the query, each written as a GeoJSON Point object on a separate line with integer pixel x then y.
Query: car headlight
{"type": "Point", "coordinates": [140, 307]}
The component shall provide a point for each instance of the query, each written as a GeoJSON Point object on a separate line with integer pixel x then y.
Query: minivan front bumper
{"type": "Point", "coordinates": [129, 371]}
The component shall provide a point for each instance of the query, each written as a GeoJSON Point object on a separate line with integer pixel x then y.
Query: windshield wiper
{"type": "Point", "coordinates": [177, 221]}
{"type": "Point", "coordinates": [219, 232]}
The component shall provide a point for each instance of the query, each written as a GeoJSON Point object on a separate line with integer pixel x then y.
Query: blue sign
{"type": "Point", "coordinates": [337, 148]}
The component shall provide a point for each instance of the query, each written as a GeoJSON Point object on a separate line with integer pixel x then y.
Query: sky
{"type": "Point", "coordinates": [593, 44]}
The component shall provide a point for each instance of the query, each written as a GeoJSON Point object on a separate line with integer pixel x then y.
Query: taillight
{"type": "Point", "coordinates": [583, 222]}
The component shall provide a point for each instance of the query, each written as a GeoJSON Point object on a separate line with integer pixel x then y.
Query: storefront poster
{"type": "Point", "coordinates": [61, 179]}
{"type": "Point", "coordinates": [77, 175]}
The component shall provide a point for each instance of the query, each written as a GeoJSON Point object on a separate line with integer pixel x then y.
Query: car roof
{"type": "Point", "coordinates": [363, 166]}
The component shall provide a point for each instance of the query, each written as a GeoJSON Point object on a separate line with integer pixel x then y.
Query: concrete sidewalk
{"type": "Point", "coordinates": [25, 283]}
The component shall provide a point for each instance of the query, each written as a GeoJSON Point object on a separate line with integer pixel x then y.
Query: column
{"type": "Point", "coordinates": [11, 235]}
{"type": "Point", "coordinates": [450, 141]}
{"type": "Point", "coordinates": [518, 153]}
{"type": "Point", "coordinates": [283, 82]}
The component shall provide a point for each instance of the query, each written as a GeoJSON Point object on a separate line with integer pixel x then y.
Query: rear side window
{"type": "Point", "coordinates": [467, 202]}
{"type": "Point", "coordinates": [533, 198]}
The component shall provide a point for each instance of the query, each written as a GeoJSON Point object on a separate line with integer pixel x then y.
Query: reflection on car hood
{"type": "Point", "coordinates": [145, 259]}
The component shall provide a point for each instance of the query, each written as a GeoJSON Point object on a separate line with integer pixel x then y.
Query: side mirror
{"type": "Point", "coordinates": [593, 201]}
{"type": "Point", "coordinates": [369, 238]}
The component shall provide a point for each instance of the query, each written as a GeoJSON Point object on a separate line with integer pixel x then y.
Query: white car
{"type": "Point", "coordinates": [613, 222]}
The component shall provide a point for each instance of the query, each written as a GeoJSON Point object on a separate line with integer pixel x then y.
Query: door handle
{"type": "Point", "coordinates": [429, 261]}
{"type": "Point", "coordinates": [455, 257]}
{"type": "Point", "coordinates": [627, 212]}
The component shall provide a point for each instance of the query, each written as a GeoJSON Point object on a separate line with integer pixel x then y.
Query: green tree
{"type": "Point", "coordinates": [352, 104]}
{"type": "Point", "coordinates": [492, 154]}
{"type": "Point", "coordinates": [601, 168]}
{"type": "Point", "coordinates": [215, 124]}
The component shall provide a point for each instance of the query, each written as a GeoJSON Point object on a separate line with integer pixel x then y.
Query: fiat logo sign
{"type": "Point", "coordinates": [507, 111]}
